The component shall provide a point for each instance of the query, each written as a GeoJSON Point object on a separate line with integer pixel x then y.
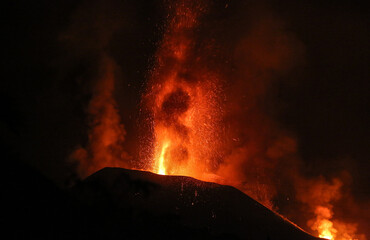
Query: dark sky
{"type": "Point", "coordinates": [43, 117]}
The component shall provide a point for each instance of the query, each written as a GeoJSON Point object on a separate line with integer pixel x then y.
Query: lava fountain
{"type": "Point", "coordinates": [184, 101]}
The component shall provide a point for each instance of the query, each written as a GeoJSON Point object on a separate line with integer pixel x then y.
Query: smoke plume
{"type": "Point", "coordinates": [106, 133]}
{"type": "Point", "coordinates": [88, 39]}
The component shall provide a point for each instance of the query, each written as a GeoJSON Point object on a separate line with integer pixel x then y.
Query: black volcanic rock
{"type": "Point", "coordinates": [130, 204]}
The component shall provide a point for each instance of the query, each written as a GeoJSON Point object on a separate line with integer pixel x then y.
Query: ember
{"type": "Point", "coordinates": [184, 101]}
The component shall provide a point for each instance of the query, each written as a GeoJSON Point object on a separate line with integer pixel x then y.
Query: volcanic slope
{"type": "Point", "coordinates": [148, 205]}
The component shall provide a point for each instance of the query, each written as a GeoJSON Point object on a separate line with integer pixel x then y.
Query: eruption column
{"type": "Point", "coordinates": [183, 99]}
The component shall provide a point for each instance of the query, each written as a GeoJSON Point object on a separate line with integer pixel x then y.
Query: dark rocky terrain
{"type": "Point", "coordinates": [117, 203]}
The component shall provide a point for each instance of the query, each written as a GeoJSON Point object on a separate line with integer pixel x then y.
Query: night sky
{"type": "Point", "coordinates": [324, 101]}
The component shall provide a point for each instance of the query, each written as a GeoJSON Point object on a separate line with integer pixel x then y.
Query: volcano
{"type": "Point", "coordinates": [116, 203]}
{"type": "Point", "coordinates": [142, 205]}
{"type": "Point", "coordinates": [197, 95]}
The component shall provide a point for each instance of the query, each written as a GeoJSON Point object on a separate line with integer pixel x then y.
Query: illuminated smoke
{"type": "Point", "coordinates": [320, 196]}
{"type": "Point", "coordinates": [87, 41]}
{"type": "Point", "coordinates": [106, 133]}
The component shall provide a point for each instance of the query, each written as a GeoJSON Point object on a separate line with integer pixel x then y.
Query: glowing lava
{"type": "Point", "coordinates": [322, 224]}
{"type": "Point", "coordinates": [161, 169]}
{"type": "Point", "coordinates": [183, 100]}
{"type": "Point", "coordinates": [326, 229]}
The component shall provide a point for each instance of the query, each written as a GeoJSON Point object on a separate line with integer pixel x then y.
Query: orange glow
{"type": "Point", "coordinates": [184, 129]}
{"type": "Point", "coordinates": [161, 169]}
{"type": "Point", "coordinates": [184, 101]}
{"type": "Point", "coordinates": [326, 229]}
{"type": "Point", "coordinates": [334, 229]}
{"type": "Point", "coordinates": [323, 225]}
{"type": "Point", "coordinates": [320, 195]}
